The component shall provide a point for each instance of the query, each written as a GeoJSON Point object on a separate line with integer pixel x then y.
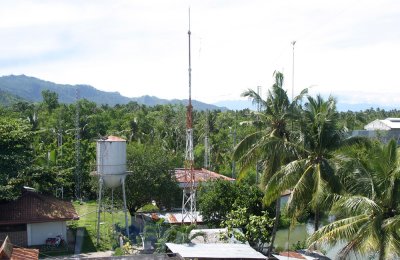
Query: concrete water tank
{"type": "Point", "coordinates": [111, 160]}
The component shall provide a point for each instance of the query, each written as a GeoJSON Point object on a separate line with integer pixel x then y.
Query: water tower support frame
{"type": "Point", "coordinates": [101, 183]}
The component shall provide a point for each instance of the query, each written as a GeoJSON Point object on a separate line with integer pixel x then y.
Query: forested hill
{"type": "Point", "coordinates": [16, 88]}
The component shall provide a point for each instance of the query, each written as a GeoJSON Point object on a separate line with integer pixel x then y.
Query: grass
{"type": "Point", "coordinates": [87, 212]}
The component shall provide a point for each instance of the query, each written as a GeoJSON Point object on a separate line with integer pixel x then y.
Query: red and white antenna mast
{"type": "Point", "coordinates": [189, 191]}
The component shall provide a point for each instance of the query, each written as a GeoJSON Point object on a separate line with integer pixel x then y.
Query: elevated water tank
{"type": "Point", "coordinates": [111, 160]}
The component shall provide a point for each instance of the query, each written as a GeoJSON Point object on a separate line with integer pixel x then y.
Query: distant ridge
{"type": "Point", "coordinates": [16, 88]}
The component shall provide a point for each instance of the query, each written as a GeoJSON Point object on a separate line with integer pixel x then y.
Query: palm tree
{"type": "Point", "coordinates": [271, 143]}
{"type": "Point", "coordinates": [312, 175]}
{"type": "Point", "coordinates": [371, 221]}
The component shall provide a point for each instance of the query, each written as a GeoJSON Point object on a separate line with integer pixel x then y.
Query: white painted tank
{"type": "Point", "coordinates": [111, 160]}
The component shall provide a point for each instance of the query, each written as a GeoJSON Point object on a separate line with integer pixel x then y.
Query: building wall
{"type": "Point", "coordinates": [383, 136]}
{"type": "Point", "coordinates": [37, 233]}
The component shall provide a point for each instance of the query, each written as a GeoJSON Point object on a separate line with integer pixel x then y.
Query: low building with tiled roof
{"type": "Point", "coordinates": [200, 175]}
{"type": "Point", "coordinates": [34, 217]}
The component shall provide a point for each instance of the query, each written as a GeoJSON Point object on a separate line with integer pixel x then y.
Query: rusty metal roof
{"type": "Point", "coordinates": [33, 207]}
{"type": "Point", "coordinates": [200, 175]}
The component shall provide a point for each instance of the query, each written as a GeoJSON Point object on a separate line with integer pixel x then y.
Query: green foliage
{"type": "Point", "coordinates": [15, 156]}
{"type": "Point", "coordinates": [118, 252]}
{"type": "Point", "coordinates": [151, 178]}
{"type": "Point", "coordinates": [50, 99]}
{"type": "Point", "coordinates": [149, 208]}
{"type": "Point", "coordinates": [256, 228]}
{"type": "Point", "coordinates": [299, 245]}
{"type": "Point", "coordinates": [216, 199]}
{"type": "Point", "coordinates": [369, 210]}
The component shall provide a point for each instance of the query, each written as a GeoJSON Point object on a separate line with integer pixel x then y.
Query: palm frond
{"type": "Point", "coordinates": [284, 179]}
{"type": "Point", "coordinates": [357, 204]}
{"type": "Point", "coordinates": [340, 230]}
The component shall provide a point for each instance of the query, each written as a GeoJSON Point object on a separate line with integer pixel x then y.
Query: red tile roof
{"type": "Point", "coordinates": [8, 251]}
{"type": "Point", "coordinates": [292, 254]}
{"type": "Point", "coordinates": [199, 175]}
{"type": "Point", "coordinates": [33, 207]}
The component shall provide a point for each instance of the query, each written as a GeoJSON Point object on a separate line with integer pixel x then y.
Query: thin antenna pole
{"type": "Point", "coordinates": [293, 43]}
{"type": "Point", "coordinates": [77, 150]}
{"type": "Point", "coordinates": [206, 143]}
{"type": "Point", "coordinates": [190, 66]}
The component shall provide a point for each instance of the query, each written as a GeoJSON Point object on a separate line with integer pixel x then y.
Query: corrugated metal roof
{"type": "Point", "coordinates": [385, 124]}
{"type": "Point", "coordinates": [174, 217]}
{"type": "Point", "coordinates": [293, 256]}
{"type": "Point", "coordinates": [216, 251]}
{"type": "Point", "coordinates": [200, 175]}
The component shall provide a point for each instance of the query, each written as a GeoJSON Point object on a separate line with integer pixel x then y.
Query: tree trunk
{"type": "Point", "coordinates": [276, 224]}
{"type": "Point", "coordinates": [316, 224]}
{"type": "Point", "coordinates": [316, 220]}
{"type": "Point", "coordinates": [382, 251]}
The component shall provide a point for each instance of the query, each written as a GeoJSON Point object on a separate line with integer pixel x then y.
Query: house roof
{"type": "Point", "coordinates": [8, 251]}
{"type": "Point", "coordinates": [200, 175]}
{"type": "Point", "coordinates": [215, 251]}
{"type": "Point", "coordinates": [174, 217]}
{"type": "Point", "coordinates": [33, 207]}
{"type": "Point", "coordinates": [385, 124]}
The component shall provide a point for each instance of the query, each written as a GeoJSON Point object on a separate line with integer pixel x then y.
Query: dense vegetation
{"type": "Point", "coordinates": [300, 145]}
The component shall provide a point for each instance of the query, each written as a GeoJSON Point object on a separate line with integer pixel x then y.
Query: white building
{"type": "Point", "coordinates": [382, 129]}
{"type": "Point", "coordinates": [34, 217]}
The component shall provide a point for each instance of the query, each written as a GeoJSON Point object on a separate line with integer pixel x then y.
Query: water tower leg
{"type": "Point", "coordinates": [125, 209]}
{"type": "Point", "coordinates": [112, 210]}
{"type": "Point", "coordinates": [99, 210]}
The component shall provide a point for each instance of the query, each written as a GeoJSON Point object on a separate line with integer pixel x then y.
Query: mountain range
{"type": "Point", "coordinates": [17, 88]}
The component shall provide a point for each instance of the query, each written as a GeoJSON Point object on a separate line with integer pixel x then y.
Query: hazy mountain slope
{"type": "Point", "coordinates": [30, 89]}
{"type": "Point", "coordinates": [7, 98]}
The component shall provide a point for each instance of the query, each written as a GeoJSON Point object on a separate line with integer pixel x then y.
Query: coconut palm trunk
{"type": "Point", "coordinates": [276, 225]}
{"type": "Point", "coordinates": [270, 143]}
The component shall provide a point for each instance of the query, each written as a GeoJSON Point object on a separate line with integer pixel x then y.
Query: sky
{"type": "Point", "coordinates": [347, 48]}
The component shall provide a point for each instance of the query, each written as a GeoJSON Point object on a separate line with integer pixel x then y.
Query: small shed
{"type": "Point", "coordinates": [34, 217]}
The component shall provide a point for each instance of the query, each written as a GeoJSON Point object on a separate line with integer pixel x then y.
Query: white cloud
{"type": "Point", "coordinates": [140, 47]}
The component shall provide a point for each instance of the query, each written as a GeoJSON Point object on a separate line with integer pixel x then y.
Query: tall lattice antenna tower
{"type": "Point", "coordinates": [189, 191]}
{"type": "Point", "coordinates": [206, 144]}
{"type": "Point", "coordinates": [77, 149]}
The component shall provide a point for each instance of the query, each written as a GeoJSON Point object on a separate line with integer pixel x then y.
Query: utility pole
{"type": "Point", "coordinates": [293, 43]}
{"type": "Point", "coordinates": [77, 150]}
{"type": "Point", "coordinates": [258, 122]}
{"type": "Point", "coordinates": [206, 144]}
